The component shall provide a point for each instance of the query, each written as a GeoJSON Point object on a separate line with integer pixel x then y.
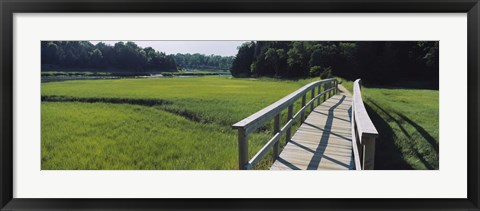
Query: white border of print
{"type": "Point", "coordinates": [450, 181]}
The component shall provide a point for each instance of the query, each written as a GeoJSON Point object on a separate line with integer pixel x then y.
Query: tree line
{"type": "Point", "coordinates": [123, 56]}
{"type": "Point", "coordinates": [374, 61]}
{"type": "Point", "coordinates": [203, 62]}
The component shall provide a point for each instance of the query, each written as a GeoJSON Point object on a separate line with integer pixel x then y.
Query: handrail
{"type": "Point", "coordinates": [364, 132]}
{"type": "Point", "coordinates": [260, 118]}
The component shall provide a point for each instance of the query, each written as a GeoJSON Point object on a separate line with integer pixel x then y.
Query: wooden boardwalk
{"type": "Point", "coordinates": [323, 141]}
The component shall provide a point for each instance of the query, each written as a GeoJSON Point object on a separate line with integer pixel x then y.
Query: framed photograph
{"type": "Point", "coordinates": [252, 105]}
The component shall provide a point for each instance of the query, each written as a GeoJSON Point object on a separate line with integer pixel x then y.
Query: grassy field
{"type": "Point", "coordinates": [164, 123]}
{"type": "Point", "coordinates": [185, 123]}
{"type": "Point", "coordinates": [408, 123]}
{"type": "Point", "coordinates": [113, 136]}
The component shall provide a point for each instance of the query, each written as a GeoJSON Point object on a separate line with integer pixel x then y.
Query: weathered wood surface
{"type": "Point", "coordinates": [256, 120]}
{"type": "Point", "coordinates": [363, 131]}
{"type": "Point", "coordinates": [323, 141]}
{"type": "Point", "coordinates": [363, 122]}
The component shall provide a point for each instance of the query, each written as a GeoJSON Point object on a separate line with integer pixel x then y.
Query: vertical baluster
{"type": "Point", "coordinates": [289, 129]}
{"type": "Point", "coordinates": [304, 99]}
{"type": "Point", "coordinates": [325, 92]}
{"type": "Point", "coordinates": [336, 87]}
{"type": "Point", "coordinates": [319, 91]}
{"type": "Point", "coordinates": [313, 102]}
{"type": "Point", "coordinates": [329, 91]}
{"type": "Point", "coordinates": [276, 129]}
{"type": "Point", "coordinates": [242, 149]}
{"type": "Point", "coordinates": [368, 143]}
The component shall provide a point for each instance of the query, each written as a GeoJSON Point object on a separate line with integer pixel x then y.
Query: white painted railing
{"type": "Point", "coordinates": [364, 132]}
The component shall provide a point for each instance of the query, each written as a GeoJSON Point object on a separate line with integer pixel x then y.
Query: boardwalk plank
{"type": "Point", "coordinates": [323, 141]}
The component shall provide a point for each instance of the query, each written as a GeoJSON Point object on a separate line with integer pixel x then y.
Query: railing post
{"type": "Point", "coordinates": [242, 149]}
{"type": "Point", "coordinates": [336, 87]}
{"type": "Point", "coordinates": [328, 87]}
{"type": "Point", "coordinates": [325, 90]}
{"type": "Point", "coordinates": [288, 135]}
{"type": "Point", "coordinates": [304, 99]}
{"type": "Point", "coordinates": [319, 91]}
{"type": "Point", "coordinates": [330, 92]}
{"type": "Point", "coordinates": [368, 143]}
{"type": "Point", "coordinates": [276, 129]}
{"type": "Point", "coordinates": [313, 102]}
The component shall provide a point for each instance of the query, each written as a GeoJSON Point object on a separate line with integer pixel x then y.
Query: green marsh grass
{"type": "Point", "coordinates": [102, 124]}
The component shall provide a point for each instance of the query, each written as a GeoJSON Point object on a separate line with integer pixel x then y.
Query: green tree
{"type": "Point", "coordinates": [243, 61]}
{"type": "Point", "coordinates": [274, 57]}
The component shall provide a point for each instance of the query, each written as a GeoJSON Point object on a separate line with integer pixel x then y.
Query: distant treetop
{"type": "Point", "coordinates": [126, 56]}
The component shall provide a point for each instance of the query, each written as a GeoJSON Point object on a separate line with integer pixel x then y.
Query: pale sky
{"type": "Point", "coordinates": [222, 48]}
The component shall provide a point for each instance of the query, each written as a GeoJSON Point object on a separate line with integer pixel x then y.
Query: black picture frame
{"type": "Point", "coordinates": [9, 7]}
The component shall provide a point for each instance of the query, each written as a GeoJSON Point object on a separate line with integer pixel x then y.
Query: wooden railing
{"type": "Point", "coordinates": [364, 132]}
{"type": "Point", "coordinates": [257, 120]}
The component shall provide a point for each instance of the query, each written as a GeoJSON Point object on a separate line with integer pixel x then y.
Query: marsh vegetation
{"type": "Point", "coordinates": [155, 115]}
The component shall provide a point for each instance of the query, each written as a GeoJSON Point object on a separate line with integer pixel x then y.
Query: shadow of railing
{"type": "Point", "coordinates": [317, 156]}
{"type": "Point", "coordinates": [388, 156]}
{"type": "Point", "coordinates": [422, 132]}
{"type": "Point", "coordinates": [418, 128]}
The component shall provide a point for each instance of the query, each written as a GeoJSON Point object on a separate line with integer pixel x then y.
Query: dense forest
{"type": "Point", "coordinates": [374, 61]}
{"type": "Point", "coordinates": [203, 62]}
{"type": "Point", "coordinates": [123, 56]}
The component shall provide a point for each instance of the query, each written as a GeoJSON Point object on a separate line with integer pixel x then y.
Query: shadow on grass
{"type": "Point", "coordinates": [387, 154]}
{"type": "Point", "coordinates": [421, 131]}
